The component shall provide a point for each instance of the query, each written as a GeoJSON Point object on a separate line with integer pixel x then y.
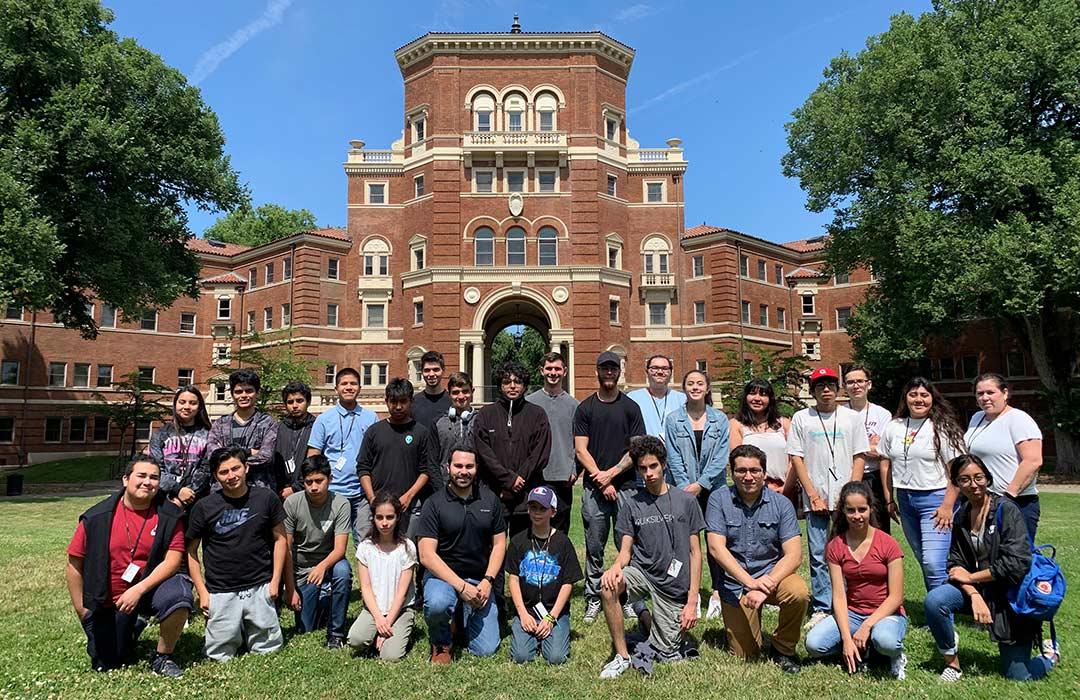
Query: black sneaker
{"type": "Point", "coordinates": [787, 664]}
{"type": "Point", "coordinates": [335, 641]}
{"type": "Point", "coordinates": [164, 665]}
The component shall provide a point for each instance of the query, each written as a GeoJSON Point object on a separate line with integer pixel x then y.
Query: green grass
{"type": "Point", "coordinates": [42, 646]}
{"type": "Point", "coordinates": [69, 471]}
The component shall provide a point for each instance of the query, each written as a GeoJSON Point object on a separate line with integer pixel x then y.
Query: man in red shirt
{"type": "Point", "coordinates": [123, 562]}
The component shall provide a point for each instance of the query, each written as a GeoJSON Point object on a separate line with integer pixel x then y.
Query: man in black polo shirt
{"type": "Point", "coordinates": [462, 542]}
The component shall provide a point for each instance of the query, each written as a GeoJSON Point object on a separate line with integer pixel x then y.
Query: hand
{"type": "Point", "coordinates": [603, 478]}
{"type": "Point", "coordinates": [507, 496]}
{"type": "Point", "coordinates": [293, 600]}
{"type": "Point", "coordinates": [694, 489]}
{"type": "Point", "coordinates": [943, 517]}
{"type": "Point", "coordinates": [81, 612]}
{"type": "Point", "coordinates": [483, 590]}
{"type": "Point", "coordinates": [286, 492]}
{"type": "Point", "coordinates": [818, 504]}
{"type": "Point", "coordinates": [960, 575]}
{"type": "Point", "coordinates": [519, 484]}
{"type": "Point", "coordinates": [528, 624]}
{"type": "Point", "coordinates": [775, 485]}
{"type": "Point", "coordinates": [852, 658]}
{"type": "Point", "coordinates": [980, 611]}
{"type": "Point", "coordinates": [186, 496]}
{"type": "Point", "coordinates": [275, 589]}
{"type": "Point", "coordinates": [573, 479]}
{"type": "Point", "coordinates": [469, 594]}
{"type": "Point", "coordinates": [893, 510]}
{"type": "Point", "coordinates": [316, 575]}
{"type": "Point", "coordinates": [688, 618]}
{"type": "Point", "coordinates": [379, 642]}
{"type": "Point", "coordinates": [383, 627]}
{"type": "Point", "coordinates": [204, 602]}
{"type": "Point", "coordinates": [766, 583]}
{"type": "Point", "coordinates": [609, 493]}
{"type": "Point", "coordinates": [612, 578]}
{"type": "Point", "coordinates": [861, 636]}
{"type": "Point", "coordinates": [754, 599]}
{"type": "Point", "coordinates": [129, 599]}
{"type": "Point", "coordinates": [404, 501]}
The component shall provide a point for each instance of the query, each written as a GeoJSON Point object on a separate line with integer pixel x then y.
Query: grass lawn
{"type": "Point", "coordinates": [42, 646]}
{"type": "Point", "coordinates": [69, 471]}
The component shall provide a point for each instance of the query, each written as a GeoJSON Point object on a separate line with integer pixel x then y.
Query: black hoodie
{"type": "Point", "coordinates": [292, 443]}
{"type": "Point", "coordinates": [512, 439]}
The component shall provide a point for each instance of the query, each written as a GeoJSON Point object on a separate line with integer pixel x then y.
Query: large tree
{"type": "Point", "coordinates": [252, 227]}
{"type": "Point", "coordinates": [949, 150]}
{"type": "Point", "coordinates": [102, 146]}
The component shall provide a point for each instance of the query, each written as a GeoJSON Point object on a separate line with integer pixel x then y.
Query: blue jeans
{"type": "Point", "coordinates": [929, 544]}
{"type": "Point", "coordinates": [340, 584]}
{"type": "Point", "coordinates": [359, 518]}
{"type": "Point", "coordinates": [598, 517]}
{"type": "Point", "coordinates": [887, 635]}
{"type": "Point", "coordinates": [1016, 661]}
{"type": "Point", "coordinates": [481, 625]}
{"type": "Point", "coordinates": [817, 534]}
{"type": "Point", "coordinates": [555, 647]}
{"type": "Point", "coordinates": [1030, 509]}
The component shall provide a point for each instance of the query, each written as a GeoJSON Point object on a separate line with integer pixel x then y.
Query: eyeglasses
{"type": "Point", "coordinates": [856, 382]}
{"type": "Point", "coordinates": [752, 471]}
{"type": "Point", "coordinates": [979, 479]}
{"type": "Point", "coordinates": [655, 368]}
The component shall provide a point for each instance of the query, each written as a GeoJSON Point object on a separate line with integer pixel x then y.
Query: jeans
{"type": "Point", "coordinates": [564, 491]}
{"type": "Point", "coordinates": [817, 534]}
{"type": "Point", "coordinates": [359, 518]}
{"type": "Point", "coordinates": [1030, 509]}
{"type": "Point", "coordinates": [929, 544]}
{"type": "Point", "coordinates": [340, 584]}
{"type": "Point", "coordinates": [887, 636]}
{"type": "Point", "coordinates": [1016, 661]}
{"type": "Point", "coordinates": [555, 647]}
{"type": "Point", "coordinates": [481, 625]}
{"type": "Point", "coordinates": [598, 516]}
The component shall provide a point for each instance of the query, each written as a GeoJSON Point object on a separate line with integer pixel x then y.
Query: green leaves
{"type": "Point", "coordinates": [253, 227]}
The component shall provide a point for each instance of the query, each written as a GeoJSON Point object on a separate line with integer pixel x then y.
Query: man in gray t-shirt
{"type": "Point", "coordinates": [317, 525]}
{"type": "Point", "coordinates": [561, 471]}
{"type": "Point", "coordinates": [659, 557]}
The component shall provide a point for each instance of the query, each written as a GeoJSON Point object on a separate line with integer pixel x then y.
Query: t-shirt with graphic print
{"type": "Point", "coordinates": [237, 538]}
{"type": "Point", "coordinates": [661, 527]}
{"type": "Point", "coordinates": [542, 566]}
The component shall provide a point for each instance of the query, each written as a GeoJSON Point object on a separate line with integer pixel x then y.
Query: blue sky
{"type": "Point", "coordinates": [293, 80]}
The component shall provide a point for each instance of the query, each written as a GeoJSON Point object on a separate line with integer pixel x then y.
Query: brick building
{"type": "Point", "coordinates": [516, 195]}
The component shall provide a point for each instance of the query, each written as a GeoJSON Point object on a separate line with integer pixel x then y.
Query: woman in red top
{"type": "Point", "coordinates": [867, 571]}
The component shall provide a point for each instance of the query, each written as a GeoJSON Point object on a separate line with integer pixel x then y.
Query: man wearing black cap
{"type": "Point", "coordinates": [604, 424]}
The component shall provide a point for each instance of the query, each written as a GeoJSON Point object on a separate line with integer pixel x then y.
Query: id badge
{"type": "Point", "coordinates": [540, 610]}
{"type": "Point", "coordinates": [674, 568]}
{"type": "Point", "coordinates": [130, 573]}
{"type": "Point", "coordinates": [339, 464]}
{"type": "Point", "coordinates": [291, 464]}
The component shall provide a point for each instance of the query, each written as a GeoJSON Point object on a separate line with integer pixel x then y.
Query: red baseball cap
{"type": "Point", "coordinates": [822, 373]}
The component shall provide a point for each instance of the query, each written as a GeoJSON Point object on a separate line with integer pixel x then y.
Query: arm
{"type": "Point", "coordinates": [717, 460]}
{"type": "Point", "coordinates": [495, 562]}
{"type": "Point", "coordinates": [858, 463]}
{"type": "Point", "coordinates": [407, 497]}
{"type": "Point", "coordinates": [217, 437]}
{"type": "Point", "coordinates": [318, 572]}
{"type": "Point", "coordinates": [717, 544]}
{"type": "Point", "coordinates": [736, 438]}
{"type": "Point", "coordinates": [613, 577]}
{"type": "Point", "coordinates": [540, 447]}
{"type": "Point", "coordinates": [943, 517]}
{"type": "Point", "coordinates": [689, 615]}
{"type": "Point", "coordinates": [404, 581]}
{"type": "Point", "coordinates": [73, 572]}
{"type": "Point", "coordinates": [895, 598]}
{"type": "Point", "coordinates": [263, 455]}
{"type": "Point", "coordinates": [851, 647]}
{"type": "Point", "coordinates": [1030, 453]}
{"type": "Point", "coordinates": [675, 462]}
{"type": "Point", "coordinates": [317, 439]}
{"type": "Point", "coordinates": [581, 451]}
{"type": "Point", "coordinates": [817, 503]}
{"type": "Point", "coordinates": [790, 561]}
{"type": "Point", "coordinates": [292, 597]}
{"type": "Point", "coordinates": [486, 457]}
{"type": "Point", "coordinates": [525, 618]}
{"type": "Point", "coordinates": [280, 552]}
{"type": "Point", "coordinates": [438, 568]}
{"type": "Point", "coordinates": [129, 599]}
{"type": "Point", "coordinates": [885, 469]}
{"type": "Point", "coordinates": [195, 572]}
{"type": "Point", "coordinates": [169, 483]}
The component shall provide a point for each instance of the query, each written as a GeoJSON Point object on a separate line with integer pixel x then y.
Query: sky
{"type": "Point", "coordinates": [292, 81]}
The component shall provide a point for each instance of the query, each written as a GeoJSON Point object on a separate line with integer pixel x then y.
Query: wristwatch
{"type": "Point", "coordinates": [490, 579]}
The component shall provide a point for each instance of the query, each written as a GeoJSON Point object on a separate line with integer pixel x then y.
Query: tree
{"type": "Point", "coordinates": [949, 151]}
{"type": "Point", "coordinates": [783, 371]}
{"type": "Point", "coordinates": [102, 146]}
{"type": "Point", "coordinates": [522, 344]}
{"type": "Point", "coordinates": [253, 227]}
{"type": "Point", "coordinates": [140, 401]}
{"type": "Point", "coordinates": [276, 364]}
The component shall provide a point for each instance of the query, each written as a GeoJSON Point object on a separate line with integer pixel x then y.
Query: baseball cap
{"type": "Point", "coordinates": [544, 496]}
{"type": "Point", "coordinates": [824, 373]}
{"type": "Point", "coordinates": [606, 357]}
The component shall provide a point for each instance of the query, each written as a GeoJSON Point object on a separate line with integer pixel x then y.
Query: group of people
{"type": "Point", "coordinates": [451, 506]}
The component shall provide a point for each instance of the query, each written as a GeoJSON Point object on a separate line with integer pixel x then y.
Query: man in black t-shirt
{"type": "Point", "coordinates": [433, 402]}
{"type": "Point", "coordinates": [241, 530]}
{"type": "Point", "coordinates": [462, 541]}
{"type": "Point", "coordinates": [604, 424]}
{"type": "Point", "coordinates": [542, 568]}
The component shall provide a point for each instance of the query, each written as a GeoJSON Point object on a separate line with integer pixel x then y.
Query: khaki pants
{"type": "Point", "coordinates": [743, 623]}
{"type": "Point", "coordinates": [362, 635]}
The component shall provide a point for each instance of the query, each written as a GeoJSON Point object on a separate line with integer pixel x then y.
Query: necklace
{"type": "Point", "coordinates": [909, 437]}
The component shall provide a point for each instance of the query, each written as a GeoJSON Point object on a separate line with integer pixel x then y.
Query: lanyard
{"type": "Point", "coordinates": [830, 443]}
{"type": "Point", "coordinates": [909, 437]}
{"type": "Point", "coordinates": [341, 429]}
{"type": "Point", "coordinates": [657, 408]}
{"type": "Point", "coordinates": [127, 530]}
{"type": "Point", "coordinates": [976, 432]}
{"type": "Point", "coordinates": [296, 443]}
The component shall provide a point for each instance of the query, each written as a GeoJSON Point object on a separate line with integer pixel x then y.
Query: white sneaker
{"type": "Point", "coordinates": [898, 666]}
{"type": "Point", "coordinates": [615, 667]}
{"type": "Point", "coordinates": [592, 609]}
{"type": "Point", "coordinates": [713, 612]}
{"type": "Point", "coordinates": [814, 619]}
{"type": "Point", "coordinates": [951, 674]}
{"type": "Point", "coordinates": [628, 611]}
{"type": "Point", "coordinates": [1051, 650]}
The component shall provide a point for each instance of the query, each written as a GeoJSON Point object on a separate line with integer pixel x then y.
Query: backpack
{"type": "Point", "coordinates": [1040, 594]}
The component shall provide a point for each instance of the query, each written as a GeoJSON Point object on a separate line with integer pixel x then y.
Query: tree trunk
{"type": "Point", "coordinates": [1068, 452]}
{"type": "Point", "coordinates": [1051, 338]}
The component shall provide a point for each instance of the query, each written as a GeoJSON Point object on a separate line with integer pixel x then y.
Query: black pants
{"type": "Point", "coordinates": [873, 480]}
{"type": "Point", "coordinates": [564, 492]}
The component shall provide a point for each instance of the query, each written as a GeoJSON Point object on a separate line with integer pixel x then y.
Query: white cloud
{"type": "Point", "coordinates": [212, 59]}
{"type": "Point", "coordinates": [633, 12]}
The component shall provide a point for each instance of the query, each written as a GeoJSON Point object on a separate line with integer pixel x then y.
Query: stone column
{"type": "Point", "coordinates": [478, 371]}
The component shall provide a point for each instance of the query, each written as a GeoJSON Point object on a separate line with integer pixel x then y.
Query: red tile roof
{"type": "Point", "coordinates": [807, 245]}
{"type": "Point", "coordinates": [224, 278]}
{"type": "Point", "coordinates": [331, 232]}
{"type": "Point", "coordinates": [203, 245]}
{"type": "Point", "coordinates": [805, 273]}
{"type": "Point", "coordinates": [705, 230]}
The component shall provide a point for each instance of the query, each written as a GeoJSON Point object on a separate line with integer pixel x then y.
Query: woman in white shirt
{"type": "Point", "coordinates": [1009, 442]}
{"type": "Point", "coordinates": [758, 422]}
{"type": "Point", "coordinates": [916, 448]}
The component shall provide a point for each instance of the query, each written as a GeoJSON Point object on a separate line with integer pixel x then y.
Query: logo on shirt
{"type": "Point", "coordinates": [653, 519]}
{"type": "Point", "coordinates": [325, 525]}
{"type": "Point", "coordinates": [231, 519]}
{"type": "Point", "coordinates": [539, 568]}
{"type": "Point", "coordinates": [408, 439]}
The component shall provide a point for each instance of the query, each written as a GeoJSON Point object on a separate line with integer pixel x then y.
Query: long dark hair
{"type": "Point", "coordinates": [202, 419]}
{"type": "Point", "coordinates": [942, 415]}
{"type": "Point", "coordinates": [853, 488]}
{"type": "Point", "coordinates": [772, 411]}
{"type": "Point", "coordinates": [708, 384]}
{"type": "Point", "coordinates": [385, 497]}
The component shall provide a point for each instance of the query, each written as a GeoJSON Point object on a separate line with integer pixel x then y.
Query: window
{"type": "Point", "coordinates": [546, 105]}
{"type": "Point", "coordinates": [376, 315]}
{"type": "Point", "coordinates": [515, 180]}
{"type": "Point", "coordinates": [250, 321]}
{"type": "Point", "coordinates": [54, 429]}
{"type": "Point", "coordinates": [843, 278]}
{"type": "Point", "coordinates": [286, 315]}
{"type": "Point", "coordinates": [483, 107]}
{"type": "Point", "coordinates": [13, 312]}
{"type": "Point", "coordinates": [781, 317]}
{"type": "Point", "coordinates": [943, 368]}
{"type": "Point", "coordinates": [657, 313]}
{"type": "Point", "coordinates": [331, 314]}
{"type": "Point", "coordinates": [185, 377]}
{"type": "Point", "coordinates": [418, 130]}
{"type": "Point", "coordinates": [286, 269]}
{"type": "Point", "coordinates": [969, 366]}
{"type": "Point", "coordinates": [611, 129]}
{"type": "Point", "coordinates": [9, 372]}
{"type": "Point", "coordinates": [612, 181]}
{"type": "Point", "coordinates": [810, 349]}
{"type": "Point", "coordinates": [761, 270]}
{"type": "Point", "coordinates": [746, 312]}
{"type": "Point", "coordinates": [101, 429]}
{"type": "Point", "coordinates": [1014, 364]}
{"type": "Point", "coordinates": [332, 265]}
{"type": "Point", "coordinates": [418, 186]}
{"type": "Point", "coordinates": [268, 318]}
{"type": "Point", "coordinates": [108, 316]}
{"type": "Point", "coordinates": [808, 304]}
{"type": "Point", "coordinates": [253, 278]}
{"type": "Point", "coordinates": [146, 375]}
{"type": "Point", "coordinates": [81, 375]}
{"type": "Point", "coordinates": [374, 373]}
{"type": "Point", "coordinates": [376, 258]}
{"type": "Point", "coordinates": [654, 192]}
{"type": "Point", "coordinates": [142, 430]}
{"type": "Point", "coordinates": [744, 266]}
{"type": "Point", "coordinates": [699, 312]}
{"type": "Point", "coordinates": [547, 120]}
{"type": "Point", "coordinates": [547, 180]}
{"type": "Point", "coordinates": [418, 313]}
{"type": "Point", "coordinates": [698, 262]}
{"type": "Point", "coordinates": [148, 322]}
{"type": "Point", "coordinates": [842, 315]}
{"type": "Point", "coordinates": [221, 353]}
{"type": "Point", "coordinates": [57, 373]}
{"type": "Point", "coordinates": [778, 274]}
{"type": "Point", "coordinates": [224, 308]}
{"type": "Point", "coordinates": [513, 121]}
{"type": "Point", "coordinates": [330, 374]}
{"type": "Point", "coordinates": [763, 315]}
{"type": "Point", "coordinates": [270, 272]}
{"type": "Point", "coordinates": [104, 376]}
{"type": "Point", "coordinates": [613, 257]}
{"type": "Point", "coordinates": [548, 246]}
{"type": "Point", "coordinates": [7, 429]}
{"type": "Point", "coordinates": [483, 180]}
{"type": "Point", "coordinates": [484, 241]}
{"type": "Point", "coordinates": [655, 251]}
{"type": "Point", "coordinates": [701, 365]}
{"type": "Point", "coordinates": [418, 258]}
{"type": "Point", "coordinates": [483, 121]}
{"type": "Point", "coordinates": [220, 390]}
{"type": "Point", "coordinates": [613, 310]}
{"type": "Point", "coordinates": [376, 193]}
{"type": "Point", "coordinates": [187, 323]}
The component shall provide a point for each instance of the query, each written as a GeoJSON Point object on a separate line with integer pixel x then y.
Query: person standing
{"type": "Point", "coordinates": [433, 402]}
{"type": "Point", "coordinates": [857, 384]}
{"type": "Point", "coordinates": [758, 422]}
{"type": "Point", "coordinates": [456, 427]}
{"type": "Point", "coordinates": [180, 447]}
{"type": "Point", "coordinates": [604, 425]}
{"type": "Point", "coordinates": [656, 399]}
{"type": "Point", "coordinates": [561, 470]}
{"type": "Point", "coordinates": [247, 427]}
{"type": "Point", "coordinates": [293, 433]}
{"type": "Point", "coordinates": [826, 445]}
{"type": "Point", "coordinates": [513, 441]}
{"type": "Point", "coordinates": [337, 434]}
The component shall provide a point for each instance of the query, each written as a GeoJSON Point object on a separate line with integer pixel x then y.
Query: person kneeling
{"type": "Point", "coordinates": [124, 561]}
{"type": "Point", "coordinates": [542, 568]}
{"type": "Point", "coordinates": [659, 558]}
{"type": "Point", "coordinates": [386, 559]}
{"type": "Point", "coordinates": [867, 570]}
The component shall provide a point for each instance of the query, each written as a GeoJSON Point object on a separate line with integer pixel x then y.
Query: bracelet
{"type": "Point", "coordinates": [549, 619]}
{"type": "Point", "coordinates": [463, 585]}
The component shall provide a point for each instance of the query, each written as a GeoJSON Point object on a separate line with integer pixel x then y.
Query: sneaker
{"type": "Point", "coordinates": [898, 666]}
{"type": "Point", "coordinates": [615, 667]}
{"type": "Point", "coordinates": [592, 609]}
{"type": "Point", "coordinates": [164, 665]}
{"type": "Point", "coordinates": [787, 664]}
{"type": "Point", "coordinates": [335, 641]}
{"type": "Point", "coordinates": [440, 655]}
{"type": "Point", "coordinates": [628, 612]}
{"type": "Point", "coordinates": [1051, 650]}
{"type": "Point", "coordinates": [713, 613]}
{"type": "Point", "coordinates": [814, 619]}
{"type": "Point", "coordinates": [951, 674]}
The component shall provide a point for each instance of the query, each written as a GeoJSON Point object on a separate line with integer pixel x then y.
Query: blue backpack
{"type": "Point", "coordinates": [1040, 594]}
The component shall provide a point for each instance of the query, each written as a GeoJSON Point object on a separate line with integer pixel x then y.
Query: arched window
{"type": "Point", "coordinates": [514, 107]}
{"type": "Point", "coordinates": [548, 246]}
{"type": "Point", "coordinates": [546, 108]}
{"type": "Point", "coordinates": [515, 246]}
{"type": "Point", "coordinates": [485, 246]}
{"type": "Point", "coordinates": [376, 258]}
{"type": "Point", "coordinates": [483, 108]}
{"type": "Point", "coordinates": [656, 253]}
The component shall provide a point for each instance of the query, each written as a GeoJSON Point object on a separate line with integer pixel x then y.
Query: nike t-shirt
{"type": "Point", "coordinates": [237, 538]}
